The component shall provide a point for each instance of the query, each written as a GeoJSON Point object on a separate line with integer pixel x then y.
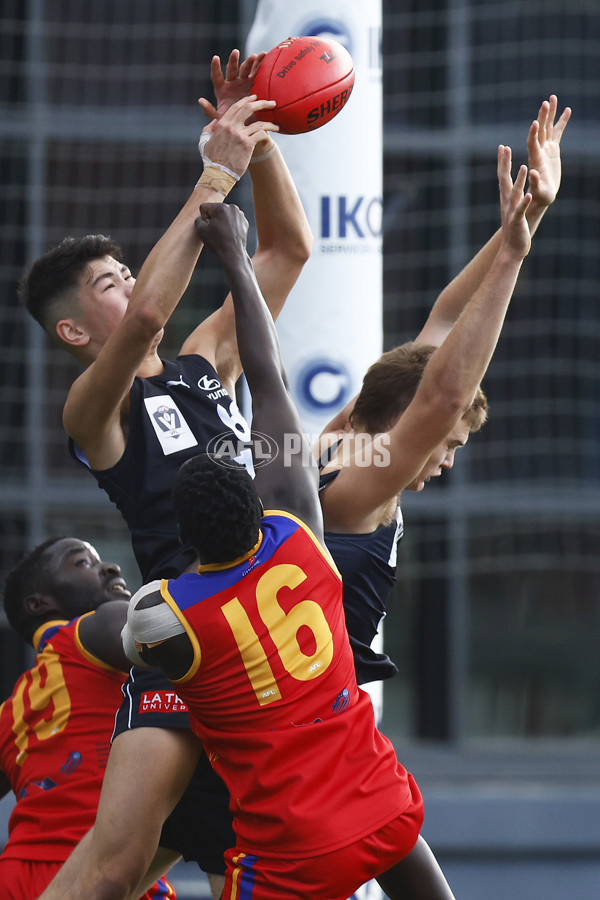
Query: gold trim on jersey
{"type": "Point", "coordinates": [323, 549]}
{"type": "Point", "coordinates": [37, 634]}
{"type": "Point", "coordinates": [87, 654]}
{"type": "Point", "coordinates": [215, 567]}
{"type": "Point", "coordinates": [193, 638]}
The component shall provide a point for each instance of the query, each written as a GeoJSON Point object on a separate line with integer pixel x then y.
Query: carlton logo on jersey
{"type": "Point", "coordinates": [161, 701]}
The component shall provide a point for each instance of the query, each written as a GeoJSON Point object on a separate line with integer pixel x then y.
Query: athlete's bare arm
{"type": "Point", "coordinates": [354, 501]}
{"type": "Point", "coordinates": [283, 232]}
{"type": "Point", "coordinates": [289, 481]}
{"type": "Point", "coordinates": [543, 145]}
{"type": "Point", "coordinates": [96, 406]}
{"type": "Point", "coordinates": [107, 863]}
{"type": "Point", "coordinates": [100, 633]}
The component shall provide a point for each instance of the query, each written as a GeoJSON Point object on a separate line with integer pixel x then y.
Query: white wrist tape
{"type": "Point", "coordinates": [204, 139]}
{"type": "Point", "coordinates": [266, 155]}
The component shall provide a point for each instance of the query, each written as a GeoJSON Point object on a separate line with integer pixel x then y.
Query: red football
{"type": "Point", "coordinates": [310, 78]}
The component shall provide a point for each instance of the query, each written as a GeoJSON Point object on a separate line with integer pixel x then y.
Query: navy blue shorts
{"type": "Point", "coordinates": [200, 825]}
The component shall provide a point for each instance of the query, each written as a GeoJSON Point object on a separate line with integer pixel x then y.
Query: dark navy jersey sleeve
{"type": "Point", "coordinates": [367, 564]}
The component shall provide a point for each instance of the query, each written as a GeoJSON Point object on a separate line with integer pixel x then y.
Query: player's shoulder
{"type": "Point", "coordinates": [285, 525]}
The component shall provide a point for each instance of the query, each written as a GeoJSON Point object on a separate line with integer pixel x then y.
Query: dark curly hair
{"type": "Point", "coordinates": [29, 576]}
{"type": "Point", "coordinates": [48, 288]}
{"type": "Point", "coordinates": [217, 508]}
{"type": "Point", "coordinates": [391, 383]}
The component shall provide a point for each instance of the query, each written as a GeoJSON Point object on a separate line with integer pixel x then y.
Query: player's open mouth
{"type": "Point", "coordinates": [119, 587]}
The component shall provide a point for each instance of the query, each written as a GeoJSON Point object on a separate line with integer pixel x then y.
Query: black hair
{"type": "Point", "coordinates": [29, 576]}
{"type": "Point", "coordinates": [217, 508]}
{"type": "Point", "coordinates": [47, 287]}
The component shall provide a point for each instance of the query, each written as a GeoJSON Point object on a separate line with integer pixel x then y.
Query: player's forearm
{"type": "Point", "coordinates": [455, 296]}
{"type": "Point", "coordinates": [280, 217]}
{"type": "Point", "coordinates": [534, 215]}
{"type": "Point", "coordinates": [458, 366]}
{"type": "Point", "coordinates": [283, 232]}
{"type": "Point", "coordinates": [341, 420]}
{"type": "Point", "coordinates": [167, 270]}
{"type": "Point", "coordinates": [257, 341]}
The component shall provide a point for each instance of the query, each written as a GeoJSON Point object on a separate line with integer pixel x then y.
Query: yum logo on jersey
{"type": "Point", "coordinates": [213, 388]}
{"type": "Point", "coordinates": [161, 701]}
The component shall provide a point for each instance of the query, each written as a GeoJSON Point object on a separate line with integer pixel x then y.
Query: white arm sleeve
{"type": "Point", "coordinates": [146, 626]}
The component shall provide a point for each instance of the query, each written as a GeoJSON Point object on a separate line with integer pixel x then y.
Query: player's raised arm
{"type": "Point", "coordinates": [544, 163]}
{"type": "Point", "coordinates": [92, 414]}
{"type": "Point", "coordinates": [282, 229]}
{"type": "Point", "coordinates": [450, 378]}
{"type": "Point", "coordinates": [289, 481]}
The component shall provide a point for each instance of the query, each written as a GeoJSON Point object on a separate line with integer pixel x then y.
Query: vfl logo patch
{"type": "Point", "coordinates": [170, 426]}
{"type": "Point", "coordinates": [161, 701]}
{"type": "Point", "coordinates": [168, 420]}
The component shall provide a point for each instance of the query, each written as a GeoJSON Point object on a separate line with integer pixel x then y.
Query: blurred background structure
{"type": "Point", "coordinates": [495, 623]}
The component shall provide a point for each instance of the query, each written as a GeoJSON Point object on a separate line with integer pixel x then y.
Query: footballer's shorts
{"type": "Point", "coordinates": [332, 876]}
{"type": "Point", "coordinates": [22, 879]}
{"type": "Point", "coordinates": [200, 826]}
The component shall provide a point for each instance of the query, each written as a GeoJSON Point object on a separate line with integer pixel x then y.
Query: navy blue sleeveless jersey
{"type": "Point", "coordinates": [173, 416]}
{"type": "Point", "coordinates": [367, 564]}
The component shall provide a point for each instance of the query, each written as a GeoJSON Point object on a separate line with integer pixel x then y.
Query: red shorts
{"type": "Point", "coordinates": [21, 879]}
{"type": "Point", "coordinates": [332, 876]}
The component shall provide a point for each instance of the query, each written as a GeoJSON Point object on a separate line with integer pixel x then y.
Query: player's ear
{"type": "Point", "coordinates": [69, 332]}
{"type": "Point", "coordinates": [37, 604]}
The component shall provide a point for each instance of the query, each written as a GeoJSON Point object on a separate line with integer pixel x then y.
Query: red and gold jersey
{"type": "Point", "coordinates": [55, 732]}
{"type": "Point", "coordinates": [272, 693]}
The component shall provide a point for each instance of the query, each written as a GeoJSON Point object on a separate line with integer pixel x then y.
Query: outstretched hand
{"type": "Point", "coordinates": [543, 145]}
{"type": "Point", "coordinates": [235, 134]}
{"type": "Point", "coordinates": [513, 204]}
{"type": "Point", "coordinates": [234, 86]}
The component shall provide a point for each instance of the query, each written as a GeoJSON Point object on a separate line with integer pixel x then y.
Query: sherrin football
{"type": "Point", "coordinates": [310, 78]}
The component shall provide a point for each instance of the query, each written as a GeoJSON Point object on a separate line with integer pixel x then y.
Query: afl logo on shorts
{"type": "Point", "coordinates": [323, 385]}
